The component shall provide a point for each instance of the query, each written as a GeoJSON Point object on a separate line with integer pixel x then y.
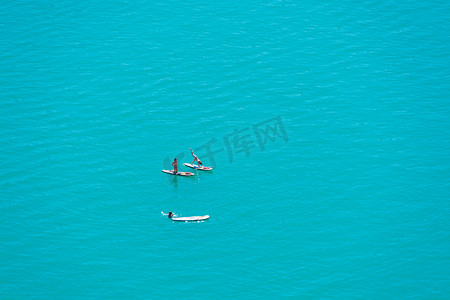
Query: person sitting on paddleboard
{"type": "Point", "coordinates": [170, 214]}
{"type": "Point", "coordinates": [175, 165]}
{"type": "Point", "coordinates": [196, 159]}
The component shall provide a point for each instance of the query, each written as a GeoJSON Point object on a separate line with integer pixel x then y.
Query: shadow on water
{"type": "Point", "coordinates": [174, 181]}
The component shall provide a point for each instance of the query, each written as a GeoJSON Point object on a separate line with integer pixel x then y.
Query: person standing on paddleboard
{"type": "Point", "coordinates": [175, 165]}
{"type": "Point", "coordinates": [196, 159]}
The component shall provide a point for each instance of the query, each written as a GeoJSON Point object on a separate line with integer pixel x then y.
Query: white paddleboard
{"type": "Point", "coordinates": [196, 167]}
{"type": "Point", "coordinates": [190, 219]}
{"type": "Point", "coordinates": [171, 172]}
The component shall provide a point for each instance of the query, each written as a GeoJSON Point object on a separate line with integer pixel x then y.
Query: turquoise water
{"type": "Point", "coordinates": [328, 126]}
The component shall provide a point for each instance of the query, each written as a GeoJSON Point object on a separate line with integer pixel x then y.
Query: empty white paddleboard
{"type": "Point", "coordinates": [171, 172]}
{"type": "Point", "coordinates": [197, 167]}
{"type": "Point", "coordinates": [190, 219]}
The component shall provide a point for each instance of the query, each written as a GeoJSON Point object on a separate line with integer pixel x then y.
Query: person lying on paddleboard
{"type": "Point", "coordinates": [175, 165]}
{"type": "Point", "coordinates": [196, 159]}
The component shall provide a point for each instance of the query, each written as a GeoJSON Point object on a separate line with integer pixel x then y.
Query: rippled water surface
{"type": "Point", "coordinates": [327, 125]}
